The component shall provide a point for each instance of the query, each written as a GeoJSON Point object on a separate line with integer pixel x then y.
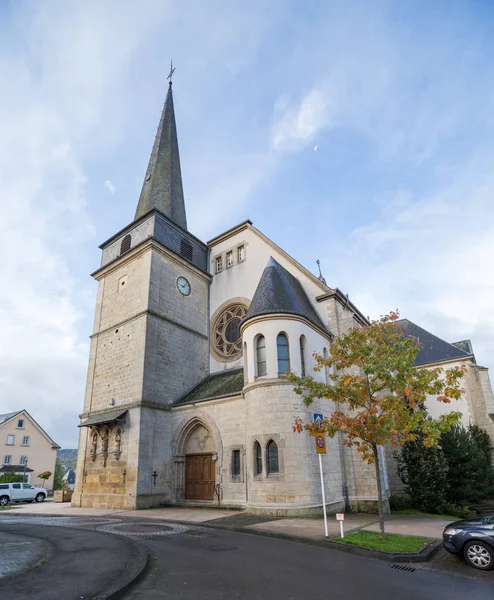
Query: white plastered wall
{"type": "Point", "coordinates": [242, 279]}
{"type": "Point", "coordinates": [294, 329]}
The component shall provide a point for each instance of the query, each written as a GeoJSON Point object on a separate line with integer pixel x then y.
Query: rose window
{"type": "Point", "coordinates": [226, 331]}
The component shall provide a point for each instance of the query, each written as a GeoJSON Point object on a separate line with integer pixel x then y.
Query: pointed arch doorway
{"type": "Point", "coordinates": [200, 466]}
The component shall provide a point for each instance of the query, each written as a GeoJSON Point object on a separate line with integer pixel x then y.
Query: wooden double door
{"type": "Point", "coordinates": [199, 476]}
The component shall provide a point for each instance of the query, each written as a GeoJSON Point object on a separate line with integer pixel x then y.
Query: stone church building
{"type": "Point", "coordinates": [187, 400]}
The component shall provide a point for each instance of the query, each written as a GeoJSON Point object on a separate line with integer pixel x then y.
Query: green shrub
{"type": "Point", "coordinates": [462, 512]}
{"type": "Point", "coordinates": [424, 473]}
{"type": "Point", "coordinates": [470, 473]}
{"type": "Point", "coordinates": [400, 503]}
{"type": "Point", "coordinates": [12, 478]}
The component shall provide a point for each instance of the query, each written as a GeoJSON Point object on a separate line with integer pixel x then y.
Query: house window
{"type": "Point", "coordinates": [125, 245]}
{"type": "Point", "coordinates": [302, 355]}
{"type": "Point", "coordinates": [258, 458]}
{"type": "Point", "coordinates": [10, 440]}
{"type": "Point", "coordinates": [25, 440]}
{"type": "Point", "coordinates": [23, 460]}
{"type": "Point", "coordinates": [236, 463]}
{"type": "Point", "coordinates": [7, 460]}
{"type": "Point", "coordinates": [240, 253]}
{"type": "Point", "coordinates": [261, 356]}
{"type": "Point", "coordinates": [272, 458]}
{"type": "Point", "coordinates": [283, 354]}
{"type": "Point", "coordinates": [229, 260]}
{"type": "Point", "coordinates": [20, 424]}
{"type": "Point", "coordinates": [219, 264]}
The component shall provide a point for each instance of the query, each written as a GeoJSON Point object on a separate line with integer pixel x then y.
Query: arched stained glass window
{"type": "Point", "coordinates": [272, 457]}
{"type": "Point", "coordinates": [257, 458]}
{"type": "Point", "coordinates": [261, 356]}
{"type": "Point", "coordinates": [326, 370]}
{"type": "Point", "coordinates": [302, 356]}
{"type": "Point", "coordinates": [283, 354]}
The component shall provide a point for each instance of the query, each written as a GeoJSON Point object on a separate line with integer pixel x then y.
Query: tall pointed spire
{"type": "Point", "coordinates": [162, 188]}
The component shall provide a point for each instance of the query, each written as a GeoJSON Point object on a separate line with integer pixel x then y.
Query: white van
{"type": "Point", "coordinates": [20, 492]}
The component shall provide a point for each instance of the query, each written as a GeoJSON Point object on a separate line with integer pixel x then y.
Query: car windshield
{"type": "Point", "coordinates": [488, 520]}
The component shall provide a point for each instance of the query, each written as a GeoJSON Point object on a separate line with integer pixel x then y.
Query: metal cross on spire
{"type": "Point", "coordinates": [172, 70]}
{"type": "Point", "coordinates": [321, 278]}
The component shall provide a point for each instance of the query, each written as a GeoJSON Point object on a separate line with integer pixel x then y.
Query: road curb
{"type": "Point", "coordinates": [135, 570]}
{"type": "Point", "coordinates": [419, 557]}
{"type": "Point", "coordinates": [139, 566]}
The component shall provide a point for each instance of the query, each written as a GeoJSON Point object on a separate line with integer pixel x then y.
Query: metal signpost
{"type": "Point", "coordinates": [321, 449]}
{"type": "Point", "coordinates": [341, 517]}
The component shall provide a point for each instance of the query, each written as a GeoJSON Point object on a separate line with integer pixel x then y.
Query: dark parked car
{"type": "Point", "coordinates": [474, 539]}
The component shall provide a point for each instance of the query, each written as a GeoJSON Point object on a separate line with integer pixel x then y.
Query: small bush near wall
{"type": "Point", "coordinates": [402, 502]}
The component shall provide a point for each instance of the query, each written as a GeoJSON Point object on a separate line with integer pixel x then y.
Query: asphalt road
{"type": "Point", "coordinates": [224, 565]}
{"type": "Point", "coordinates": [82, 563]}
{"type": "Point", "coordinates": [213, 564]}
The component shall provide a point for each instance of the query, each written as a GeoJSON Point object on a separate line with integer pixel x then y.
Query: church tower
{"type": "Point", "coordinates": [150, 340]}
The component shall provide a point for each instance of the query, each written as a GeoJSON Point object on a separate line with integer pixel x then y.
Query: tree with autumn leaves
{"type": "Point", "coordinates": [379, 395]}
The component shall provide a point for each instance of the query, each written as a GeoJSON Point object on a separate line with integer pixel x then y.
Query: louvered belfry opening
{"type": "Point", "coordinates": [186, 249]}
{"type": "Point", "coordinates": [125, 245]}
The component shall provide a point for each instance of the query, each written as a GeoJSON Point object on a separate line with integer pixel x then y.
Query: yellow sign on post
{"type": "Point", "coordinates": [320, 443]}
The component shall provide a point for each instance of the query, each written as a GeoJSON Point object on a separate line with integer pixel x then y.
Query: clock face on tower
{"type": "Point", "coordinates": [183, 286]}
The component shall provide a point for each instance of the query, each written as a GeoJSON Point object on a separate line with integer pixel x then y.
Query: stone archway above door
{"type": "Point", "coordinates": [200, 441]}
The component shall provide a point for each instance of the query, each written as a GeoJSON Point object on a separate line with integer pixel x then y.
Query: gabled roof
{"type": "Point", "coordinates": [279, 291]}
{"type": "Point", "coordinates": [162, 188]}
{"type": "Point", "coordinates": [433, 349]}
{"type": "Point", "coordinates": [217, 385]}
{"type": "Point", "coordinates": [6, 417]}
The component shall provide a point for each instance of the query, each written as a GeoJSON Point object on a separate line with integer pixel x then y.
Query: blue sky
{"type": "Point", "coordinates": [360, 133]}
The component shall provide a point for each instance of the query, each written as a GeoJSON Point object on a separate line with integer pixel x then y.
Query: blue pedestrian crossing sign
{"type": "Point", "coordinates": [318, 418]}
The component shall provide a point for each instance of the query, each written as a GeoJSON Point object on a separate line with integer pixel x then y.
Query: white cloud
{"type": "Point", "coordinates": [67, 103]}
{"type": "Point", "coordinates": [431, 257]}
{"type": "Point", "coordinates": [294, 127]}
{"type": "Point", "coordinates": [109, 186]}
{"type": "Point", "coordinates": [52, 98]}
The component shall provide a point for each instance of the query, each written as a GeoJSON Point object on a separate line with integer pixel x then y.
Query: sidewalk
{"type": "Point", "coordinates": [296, 527]}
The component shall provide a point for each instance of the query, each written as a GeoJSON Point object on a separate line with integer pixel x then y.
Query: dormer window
{"type": "Point", "coordinates": [125, 245]}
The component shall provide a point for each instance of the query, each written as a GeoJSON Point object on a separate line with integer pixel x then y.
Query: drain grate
{"type": "Point", "coordinates": [403, 568]}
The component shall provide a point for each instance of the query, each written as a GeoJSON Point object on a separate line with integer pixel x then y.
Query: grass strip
{"type": "Point", "coordinates": [393, 543]}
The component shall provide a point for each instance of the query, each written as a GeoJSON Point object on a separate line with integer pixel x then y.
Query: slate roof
{"type": "Point", "coordinates": [217, 385]}
{"type": "Point", "coordinates": [7, 416]}
{"type": "Point", "coordinates": [15, 469]}
{"type": "Point", "coordinates": [433, 349]}
{"type": "Point", "coordinates": [465, 345]}
{"type": "Point", "coordinates": [279, 291]}
{"type": "Point", "coordinates": [162, 188]}
{"type": "Point", "coordinates": [109, 416]}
